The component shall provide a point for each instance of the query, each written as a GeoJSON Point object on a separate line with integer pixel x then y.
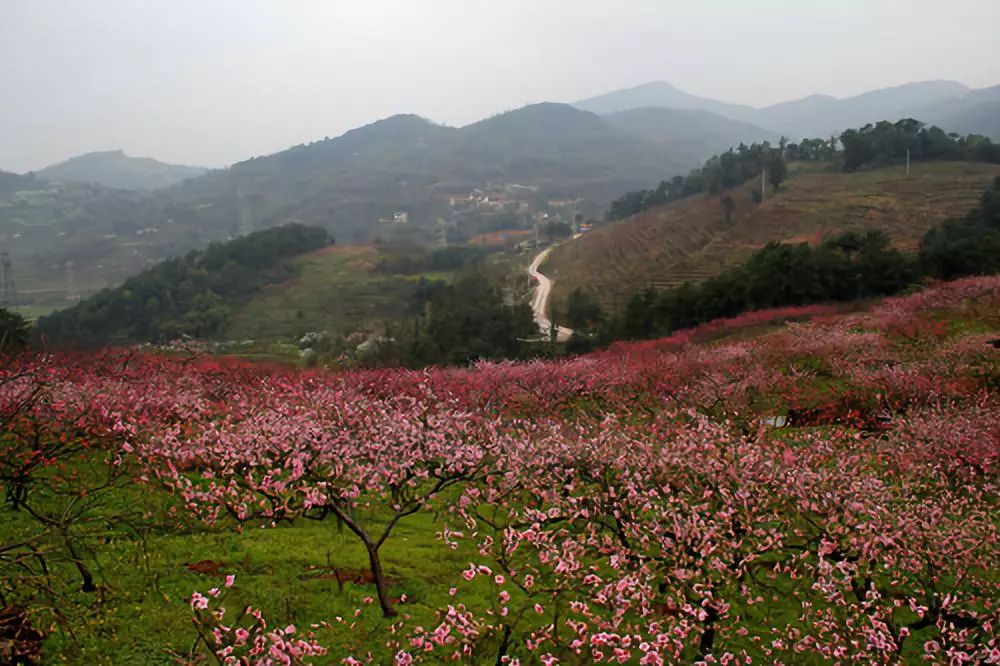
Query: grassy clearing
{"type": "Point", "coordinates": [140, 613]}
{"type": "Point", "coordinates": [689, 240]}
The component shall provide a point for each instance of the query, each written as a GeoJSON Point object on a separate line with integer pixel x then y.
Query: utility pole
{"type": "Point", "coordinates": [907, 162]}
{"type": "Point", "coordinates": [763, 184]}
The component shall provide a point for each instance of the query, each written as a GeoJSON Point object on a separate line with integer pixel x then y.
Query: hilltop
{"type": "Point", "coordinates": [113, 168]}
{"type": "Point", "coordinates": [660, 94]}
{"type": "Point", "coordinates": [689, 240]}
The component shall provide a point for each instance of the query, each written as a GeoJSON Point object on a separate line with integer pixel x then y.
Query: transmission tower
{"type": "Point", "coordinates": [71, 293]}
{"type": "Point", "coordinates": [8, 299]}
{"type": "Point", "coordinates": [245, 221]}
{"type": "Point", "coordinates": [441, 233]}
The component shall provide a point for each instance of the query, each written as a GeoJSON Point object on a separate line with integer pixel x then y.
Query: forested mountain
{"type": "Point", "coordinates": [113, 168]}
{"type": "Point", "coordinates": [407, 163]}
{"type": "Point", "coordinates": [949, 104]}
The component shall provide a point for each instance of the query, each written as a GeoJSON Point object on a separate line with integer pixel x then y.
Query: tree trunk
{"type": "Point", "coordinates": [708, 636]}
{"type": "Point", "coordinates": [81, 567]}
{"type": "Point", "coordinates": [17, 495]}
{"type": "Point", "coordinates": [377, 574]}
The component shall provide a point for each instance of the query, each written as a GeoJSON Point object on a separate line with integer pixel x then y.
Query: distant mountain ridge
{"type": "Point", "coordinates": [64, 232]}
{"type": "Point", "coordinates": [950, 104]}
{"type": "Point", "coordinates": [977, 112]}
{"type": "Point", "coordinates": [113, 168]}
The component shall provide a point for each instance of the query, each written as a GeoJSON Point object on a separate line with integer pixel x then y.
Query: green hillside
{"type": "Point", "coordinates": [190, 296]}
{"type": "Point", "coordinates": [689, 240]}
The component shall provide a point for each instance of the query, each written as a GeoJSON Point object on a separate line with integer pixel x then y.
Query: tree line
{"type": "Point", "coordinates": [886, 143]}
{"type": "Point", "coordinates": [721, 172]}
{"type": "Point", "coordinates": [186, 296]}
{"type": "Point", "coordinates": [846, 267]}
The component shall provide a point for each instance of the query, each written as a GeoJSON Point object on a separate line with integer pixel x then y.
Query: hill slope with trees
{"type": "Point", "coordinates": [691, 239]}
{"type": "Point", "coordinates": [192, 295]}
{"type": "Point", "coordinates": [720, 212]}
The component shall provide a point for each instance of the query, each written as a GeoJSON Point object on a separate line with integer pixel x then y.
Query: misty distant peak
{"type": "Point", "coordinates": [405, 120]}
{"type": "Point", "coordinates": [663, 94]}
{"type": "Point", "coordinates": [817, 114]}
{"type": "Point", "coordinates": [113, 168]}
{"type": "Point", "coordinates": [399, 126]}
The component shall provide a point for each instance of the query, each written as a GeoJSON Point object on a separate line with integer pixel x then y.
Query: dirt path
{"type": "Point", "coordinates": [540, 299]}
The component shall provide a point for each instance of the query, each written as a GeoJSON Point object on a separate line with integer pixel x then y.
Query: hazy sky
{"type": "Point", "coordinates": [211, 82]}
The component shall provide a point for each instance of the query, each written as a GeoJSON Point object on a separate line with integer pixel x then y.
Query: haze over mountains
{"type": "Point", "coordinates": [949, 104]}
{"type": "Point", "coordinates": [694, 126]}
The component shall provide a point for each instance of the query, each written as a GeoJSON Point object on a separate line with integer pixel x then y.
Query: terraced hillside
{"type": "Point", "coordinates": [690, 240]}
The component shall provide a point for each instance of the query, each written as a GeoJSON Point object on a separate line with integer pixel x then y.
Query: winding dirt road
{"type": "Point", "coordinates": [540, 299]}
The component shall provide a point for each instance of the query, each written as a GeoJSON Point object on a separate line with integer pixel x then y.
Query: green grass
{"type": "Point", "coordinates": [35, 311]}
{"type": "Point", "coordinates": [141, 612]}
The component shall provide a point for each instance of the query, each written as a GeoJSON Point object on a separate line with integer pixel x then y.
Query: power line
{"type": "Point", "coordinates": [8, 298]}
{"type": "Point", "coordinates": [245, 221]}
{"type": "Point", "coordinates": [71, 292]}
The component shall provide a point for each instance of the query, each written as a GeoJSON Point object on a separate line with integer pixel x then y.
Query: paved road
{"type": "Point", "coordinates": [540, 299]}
